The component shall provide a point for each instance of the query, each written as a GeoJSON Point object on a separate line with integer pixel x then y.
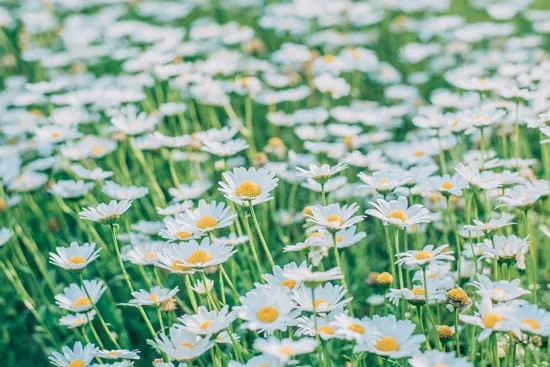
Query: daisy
{"type": "Point", "coordinates": [533, 319]}
{"type": "Point", "coordinates": [28, 181]}
{"type": "Point", "coordinates": [77, 320]}
{"type": "Point", "coordinates": [248, 186]}
{"type": "Point", "coordinates": [320, 325]}
{"type": "Point", "coordinates": [131, 121]}
{"type": "Point", "coordinates": [322, 173]}
{"type": "Point", "coordinates": [427, 255]}
{"type": "Point", "coordinates": [155, 297]}
{"type": "Point", "coordinates": [78, 356]}
{"type": "Point", "coordinates": [225, 149]}
{"type": "Point", "coordinates": [207, 217]}
{"type": "Point", "coordinates": [384, 181]}
{"type": "Point", "coordinates": [175, 230]}
{"type": "Point", "coordinates": [493, 224]}
{"type": "Point", "coordinates": [483, 117]}
{"type": "Point", "coordinates": [80, 298]}
{"type": "Point", "coordinates": [350, 328]}
{"type": "Point", "coordinates": [333, 217]}
{"type": "Point", "coordinates": [307, 275]}
{"type": "Point", "coordinates": [483, 180]}
{"type": "Point", "coordinates": [523, 195]}
{"type": "Point", "coordinates": [278, 278]}
{"type": "Point", "coordinates": [70, 189]}
{"type": "Point", "coordinates": [203, 286]}
{"type": "Point", "coordinates": [493, 318]}
{"type": "Point", "coordinates": [434, 358]}
{"type": "Point", "coordinates": [74, 257]}
{"type": "Point", "coordinates": [499, 291]}
{"type": "Point", "coordinates": [142, 253]}
{"type": "Point", "coordinates": [390, 337]}
{"type": "Point", "coordinates": [511, 249]}
{"type": "Point", "coordinates": [117, 354]}
{"type": "Point", "coordinates": [96, 174]}
{"type": "Point", "coordinates": [321, 299]}
{"type": "Point", "coordinates": [189, 192]}
{"type": "Point", "coordinates": [285, 349]}
{"type": "Point", "coordinates": [118, 192]}
{"type": "Point", "coordinates": [5, 235]}
{"type": "Point", "coordinates": [206, 322]}
{"type": "Point", "coordinates": [194, 255]}
{"type": "Point", "coordinates": [106, 213]}
{"type": "Point", "coordinates": [398, 213]}
{"type": "Point", "coordinates": [267, 310]}
{"type": "Point", "coordinates": [446, 184]}
{"type": "Point", "coordinates": [417, 294]}
{"type": "Point", "coordinates": [181, 345]}
{"type": "Point", "coordinates": [175, 208]}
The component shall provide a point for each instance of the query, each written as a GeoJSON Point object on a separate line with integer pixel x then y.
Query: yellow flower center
{"type": "Point", "coordinates": [491, 319]}
{"type": "Point", "coordinates": [185, 345]}
{"type": "Point", "coordinates": [531, 322]}
{"type": "Point", "coordinates": [56, 134]}
{"type": "Point", "coordinates": [423, 255]}
{"type": "Point", "coordinates": [184, 235]}
{"type": "Point", "coordinates": [205, 324]}
{"type": "Point", "coordinates": [249, 189]}
{"type": "Point", "coordinates": [306, 211]}
{"type": "Point", "coordinates": [206, 222]}
{"type": "Point", "coordinates": [348, 141]}
{"type": "Point", "coordinates": [383, 181]}
{"type": "Point", "coordinates": [329, 58]}
{"type": "Point", "coordinates": [289, 283]}
{"type": "Point", "coordinates": [417, 291]}
{"type": "Point", "coordinates": [97, 150]}
{"type": "Point", "coordinates": [319, 302]}
{"type": "Point", "coordinates": [178, 266]}
{"type": "Point", "coordinates": [446, 185]}
{"type": "Point", "coordinates": [276, 142]}
{"type": "Point", "coordinates": [398, 214]}
{"type": "Point", "coordinates": [199, 257]}
{"type": "Point", "coordinates": [82, 302]}
{"type": "Point", "coordinates": [420, 153]}
{"type": "Point", "coordinates": [444, 331]}
{"type": "Point", "coordinates": [334, 219]}
{"type": "Point", "coordinates": [458, 295]}
{"type": "Point", "coordinates": [77, 260]}
{"type": "Point", "coordinates": [339, 239]}
{"type": "Point", "coordinates": [326, 330]}
{"type": "Point", "coordinates": [287, 350]}
{"type": "Point", "coordinates": [153, 297]}
{"type": "Point", "coordinates": [76, 363]}
{"type": "Point", "coordinates": [384, 278]}
{"type": "Point", "coordinates": [356, 328]}
{"type": "Point", "coordinates": [267, 314]}
{"type": "Point", "coordinates": [387, 344]}
{"type": "Point", "coordinates": [150, 256]}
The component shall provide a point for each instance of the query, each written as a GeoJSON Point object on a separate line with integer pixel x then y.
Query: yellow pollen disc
{"type": "Point", "coordinates": [339, 239]}
{"type": "Point", "coordinates": [183, 235]}
{"type": "Point", "coordinates": [481, 116]}
{"type": "Point", "coordinates": [150, 256]}
{"type": "Point", "coordinates": [383, 181]}
{"type": "Point", "coordinates": [287, 350]}
{"type": "Point", "coordinates": [206, 222]}
{"type": "Point", "coordinates": [178, 266]}
{"type": "Point", "coordinates": [98, 149]}
{"type": "Point", "coordinates": [326, 330]}
{"type": "Point", "coordinates": [356, 328]}
{"type": "Point", "coordinates": [398, 214]}
{"type": "Point", "coordinates": [319, 302]}
{"type": "Point", "coordinates": [153, 297]}
{"type": "Point", "coordinates": [199, 257]}
{"type": "Point", "coordinates": [334, 219]}
{"type": "Point", "coordinates": [418, 291]}
{"type": "Point", "coordinates": [248, 189]}
{"type": "Point", "coordinates": [446, 185]}
{"type": "Point", "coordinates": [56, 134]}
{"type": "Point", "coordinates": [348, 140]}
{"type": "Point", "coordinates": [76, 363]}
{"type": "Point", "coordinates": [532, 323]}
{"type": "Point", "coordinates": [267, 314]}
{"type": "Point", "coordinates": [205, 324]}
{"type": "Point", "coordinates": [186, 345]}
{"type": "Point", "coordinates": [387, 344]}
{"type": "Point", "coordinates": [329, 58]}
{"type": "Point", "coordinates": [276, 142]}
{"type": "Point", "coordinates": [458, 295]}
{"type": "Point", "coordinates": [454, 123]}
{"type": "Point", "coordinates": [444, 331]}
{"type": "Point", "coordinates": [420, 153]}
{"type": "Point", "coordinates": [76, 260]}
{"type": "Point", "coordinates": [491, 319]}
{"type": "Point", "coordinates": [384, 278]}
{"type": "Point", "coordinates": [423, 255]}
{"type": "Point", "coordinates": [289, 283]}
{"type": "Point", "coordinates": [313, 235]}
{"type": "Point", "coordinates": [306, 210]}
{"type": "Point", "coordinates": [82, 302]}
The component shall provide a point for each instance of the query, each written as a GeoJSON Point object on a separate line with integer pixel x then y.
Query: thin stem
{"type": "Point", "coordinates": [260, 235]}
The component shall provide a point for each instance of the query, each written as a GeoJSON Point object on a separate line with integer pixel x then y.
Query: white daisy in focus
{"type": "Point", "coordinates": [398, 213]}
{"type": "Point", "coordinates": [325, 298]}
{"type": "Point", "coordinates": [154, 297]}
{"type": "Point", "coordinates": [484, 180]}
{"type": "Point", "coordinates": [322, 173]}
{"type": "Point", "coordinates": [533, 319]}
{"type": "Point", "coordinates": [248, 186]}
{"type": "Point", "coordinates": [77, 298]}
{"type": "Point", "coordinates": [333, 217]}
{"type": "Point", "coordinates": [500, 290]}
{"type": "Point", "coordinates": [78, 356]}
{"type": "Point", "coordinates": [510, 250]}
{"type": "Point", "coordinates": [420, 258]}
{"type": "Point", "coordinates": [194, 255]}
{"type": "Point", "coordinates": [493, 319]}
{"type": "Point", "coordinates": [206, 322]}
{"type": "Point", "coordinates": [181, 345]}
{"type": "Point", "coordinates": [207, 217]}
{"type": "Point", "coordinates": [74, 257]}
{"type": "Point", "coordinates": [77, 320]}
{"type": "Point", "coordinates": [106, 213]}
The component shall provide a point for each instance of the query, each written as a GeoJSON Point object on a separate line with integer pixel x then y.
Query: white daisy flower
{"type": "Point", "coordinates": [77, 320]}
{"type": "Point", "coordinates": [106, 213]}
{"type": "Point", "coordinates": [267, 310]}
{"type": "Point", "coordinates": [398, 213]}
{"type": "Point", "coordinates": [333, 217]}
{"type": "Point", "coordinates": [420, 258]}
{"type": "Point", "coordinates": [117, 354]}
{"type": "Point", "coordinates": [194, 255]}
{"type": "Point", "coordinates": [533, 319]}
{"type": "Point", "coordinates": [484, 180]}
{"type": "Point", "coordinates": [446, 184]}
{"type": "Point", "coordinates": [493, 224]}
{"type": "Point", "coordinates": [322, 173]}
{"type": "Point", "coordinates": [390, 337]}
{"type": "Point", "coordinates": [201, 288]}
{"type": "Point", "coordinates": [174, 208]}
{"type": "Point", "coordinates": [75, 257]}
{"type": "Point", "coordinates": [499, 291]}
{"type": "Point", "coordinates": [96, 174]}
{"type": "Point", "coordinates": [189, 192]}
{"type": "Point", "coordinates": [131, 121]}
{"type": "Point", "coordinates": [325, 298]}
{"type": "Point", "coordinates": [226, 148]}
{"type": "Point", "coordinates": [78, 356]}
{"type": "Point", "coordinates": [350, 328]}
{"type": "Point", "coordinates": [384, 181]}
{"type": "Point", "coordinates": [285, 349]}
{"type": "Point", "coordinates": [142, 253]}
{"type": "Point", "coordinates": [493, 319]}
{"type": "Point", "coordinates": [119, 192]}
{"type": "Point", "coordinates": [70, 189]}
{"type": "Point", "coordinates": [248, 186]}
{"type": "Point", "coordinates": [206, 322]}
{"type": "Point", "coordinates": [28, 181]}
{"type": "Point", "coordinates": [154, 297]}
{"type": "Point", "coordinates": [77, 298]}
{"type": "Point", "coordinates": [278, 279]}
{"type": "Point", "coordinates": [181, 345]}
{"type": "Point", "coordinates": [207, 217]}
{"type": "Point", "coordinates": [510, 249]}
{"type": "Point", "coordinates": [524, 195]}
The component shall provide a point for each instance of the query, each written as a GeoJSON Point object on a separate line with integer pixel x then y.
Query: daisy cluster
{"type": "Point", "coordinates": [262, 183]}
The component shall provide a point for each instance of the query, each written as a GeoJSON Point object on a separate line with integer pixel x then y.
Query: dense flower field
{"type": "Point", "coordinates": [271, 183]}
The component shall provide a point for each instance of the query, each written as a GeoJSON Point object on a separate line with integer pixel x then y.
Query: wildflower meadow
{"type": "Point", "coordinates": [268, 183]}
